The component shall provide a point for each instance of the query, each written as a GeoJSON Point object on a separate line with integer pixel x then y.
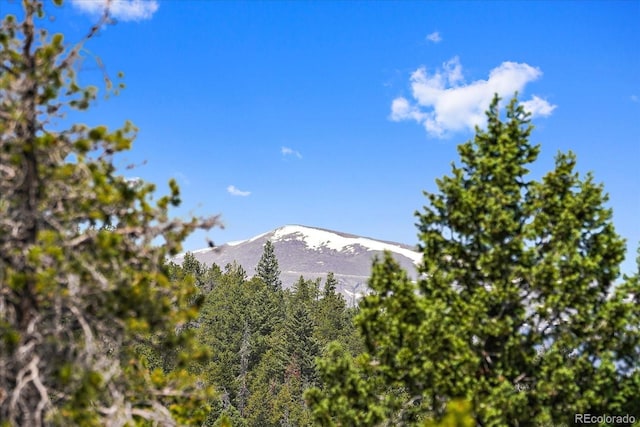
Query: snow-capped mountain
{"type": "Point", "coordinates": [313, 252]}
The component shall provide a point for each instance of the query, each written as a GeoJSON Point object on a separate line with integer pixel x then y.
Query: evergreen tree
{"type": "Point", "coordinates": [265, 383]}
{"type": "Point", "coordinates": [194, 268]}
{"type": "Point", "coordinates": [268, 269]}
{"type": "Point", "coordinates": [82, 278]}
{"type": "Point", "coordinates": [306, 292]}
{"type": "Point", "coordinates": [270, 314]}
{"type": "Point", "coordinates": [330, 285]}
{"type": "Point", "coordinates": [375, 388]}
{"type": "Point", "coordinates": [516, 308]}
{"type": "Point", "coordinates": [301, 348]}
{"type": "Point", "coordinates": [290, 409]}
{"type": "Point", "coordinates": [331, 317]}
{"type": "Point", "coordinates": [296, 350]}
{"type": "Point", "coordinates": [235, 273]}
{"type": "Point", "coordinates": [174, 271]}
{"type": "Point", "coordinates": [232, 327]}
{"type": "Point", "coordinates": [272, 298]}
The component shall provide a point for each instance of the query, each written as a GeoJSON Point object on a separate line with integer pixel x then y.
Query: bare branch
{"type": "Point", "coordinates": [89, 345]}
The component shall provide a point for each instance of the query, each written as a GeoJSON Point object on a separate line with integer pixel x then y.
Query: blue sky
{"type": "Point", "coordinates": [338, 114]}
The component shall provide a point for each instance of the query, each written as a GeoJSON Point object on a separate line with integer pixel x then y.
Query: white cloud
{"type": "Point", "coordinates": [237, 192]}
{"type": "Point", "coordinates": [434, 37]}
{"type": "Point", "coordinates": [286, 151]}
{"type": "Point", "coordinates": [123, 10]}
{"type": "Point", "coordinates": [443, 103]}
{"type": "Point", "coordinates": [402, 110]}
{"type": "Point", "coordinates": [538, 107]}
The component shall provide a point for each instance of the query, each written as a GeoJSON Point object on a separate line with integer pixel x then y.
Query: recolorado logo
{"type": "Point", "coordinates": [606, 419]}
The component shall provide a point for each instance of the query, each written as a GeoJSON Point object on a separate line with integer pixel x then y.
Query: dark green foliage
{"type": "Point", "coordinates": [348, 395]}
{"type": "Point", "coordinates": [305, 292]}
{"type": "Point", "coordinates": [332, 319]}
{"type": "Point", "coordinates": [330, 286]}
{"type": "Point", "coordinates": [516, 309]}
{"type": "Point", "coordinates": [191, 266]}
{"type": "Point", "coordinates": [268, 269]}
{"type": "Point", "coordinates": [235, 273]}
{"type": "Point", "coordinates": [300, 347]}
{"type": "Point", "coordinates": [263, 343]}
{"type": "Point", "coordinates": [381, 383]}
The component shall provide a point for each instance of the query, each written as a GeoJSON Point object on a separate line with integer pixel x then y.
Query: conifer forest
{"type": "Point", "coordinates": [520, 315]}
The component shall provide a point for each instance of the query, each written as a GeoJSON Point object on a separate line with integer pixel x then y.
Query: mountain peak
{"type": "Point", "coordinates": [312, 252]}
{"type": "Point", "coordinates": [319, 238]}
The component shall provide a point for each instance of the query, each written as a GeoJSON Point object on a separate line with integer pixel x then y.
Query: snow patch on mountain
{"type": "Point", "coordinates": [199, 251]}
{"type": "Point", "coordinates": [180, 257]}
{"type": "Point", "coordinates": [253, 239]}
{"type": "Point", "coordinates": [312, 252]}
{"type": "Point", "coordinates": [316, 239]}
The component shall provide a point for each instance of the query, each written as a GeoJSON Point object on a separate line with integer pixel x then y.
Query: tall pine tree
{"type": "Point", "coordinates": [268, 269]}
{"type": "Point", "coordinates": [517, 308]}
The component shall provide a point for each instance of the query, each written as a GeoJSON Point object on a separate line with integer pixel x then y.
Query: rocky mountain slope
{"type": "Point", "coordinates": [312, 252]}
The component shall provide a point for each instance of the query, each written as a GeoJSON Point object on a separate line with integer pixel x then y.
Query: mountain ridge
{"type": "Point", "coordinates": [312, 252]}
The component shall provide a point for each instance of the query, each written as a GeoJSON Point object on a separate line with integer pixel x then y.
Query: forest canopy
{"type": "Point", "coordinates": [519, 316]}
